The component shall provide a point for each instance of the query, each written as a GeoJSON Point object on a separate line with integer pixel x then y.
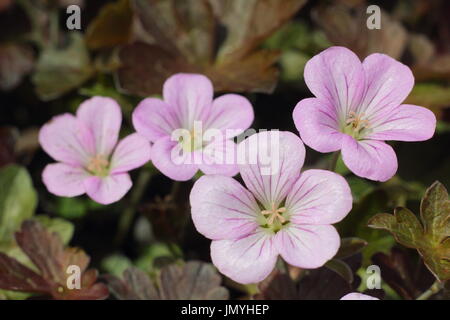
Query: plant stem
{"type": "Point", "coordinates": [334, 160]}
{"type": "Point", "coordinates": [435, 288]}
{"type": "Point", "coordinates": [127, 215]}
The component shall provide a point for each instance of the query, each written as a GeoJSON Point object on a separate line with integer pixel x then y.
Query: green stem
{"type": "Point", "coordinates": [128, 214]}
{"type": "Point", "coordinates": [334, 160]}
{"type": "Point", "coordinates": [435, 288]}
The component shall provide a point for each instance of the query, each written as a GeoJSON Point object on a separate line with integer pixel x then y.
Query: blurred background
{"type": "Point", "coordinates": [126, 49]}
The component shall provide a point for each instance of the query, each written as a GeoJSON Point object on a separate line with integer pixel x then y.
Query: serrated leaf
{"type": "Point", "coordinates": [185, 38]}
{"type": "Point", "coordinates": [51, 261]}
{"type": "Point", "coordinates": [435, 212]}
{"type": "Point", "coordinates": [431, 237]}
{"type": "Point", "coordinates": [18, 200]}
{"type": "Point", "coordinates": [404, 225]}
{"type": "Point", "coordinates": [249, 22]}
{"type": "Point", "coordinates": [193, 280]}
{"type": "Point", "coordinates": [135, 285]}
{"type": "Point", "coordinates": [15, 276]}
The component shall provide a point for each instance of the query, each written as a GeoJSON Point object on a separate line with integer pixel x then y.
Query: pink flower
{"type": "Point", "coordinates": [89, 158]}
{"type": "Point", "coordinates": [279, 212]}
{"type": "Point", "coordinates": [358, 296]}
{"type": "Point", "coordinates": [188, 100]}
{"type": "Point", "coordinates": [357, 107]}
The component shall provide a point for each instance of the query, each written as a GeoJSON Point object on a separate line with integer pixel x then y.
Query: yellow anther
{"type": "Point", "coordinates": [357, 121]}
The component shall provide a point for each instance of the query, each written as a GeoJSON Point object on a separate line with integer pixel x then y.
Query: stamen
{"type": "Point", "coordinates": [98, 165]}
{"type": "Point", "coordinates": [274, 213]}
{"type": "Point", "coordinates": [355, 123]}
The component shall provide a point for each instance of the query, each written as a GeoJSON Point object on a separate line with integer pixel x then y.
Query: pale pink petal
{"type": "Point", "coordinates": [319, 197]}
{"type": "Point", "coordinates": [405, 123]}
{"type": "Point", "coordinates": [191, 95]}
{"type": "Point", "coordinates": [358, 296]}
{"type": "Point", "coordinates": [318, 123]}
{"type": "Point", "coordinates": [246, 260]}
{"type": "Point", "coordinates": [371, 159]}
{"type": "Point", "coordinates": [219, 157]}
{"type": "Point", "coordinates": [231, 112]}
{"type": "Point", "coordinates": [154, 118]}
{"type": "Point", "coordinates": [132, 152]}
{"type": "Point", "coordinates": [336, 75]}
{"type": "Point", "coordinates": [65, 140]}
{"type": "Point", "coordinates": [307, 246]}
{"type": "Point", "coordinates": [64, 180]}
{"type": "Point", "coordinates": [109, 189]}
{"type": "Point", "coordinates": [222, 208]}
{"type": "Point", "coordinates": [103, 117]}
{"type": "Point", "coordinates": [270, 163]}
{"type": "Point", "coordinates": [388, 83]}
{"type": "Point", "coordinates": [169, 158]}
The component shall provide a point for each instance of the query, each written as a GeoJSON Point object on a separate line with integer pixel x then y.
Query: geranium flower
{"type": "Point", "coordinates": [188, 103]}
{"type": "Point", "coordinates": [357, 107]}
{"type": "Point", "coordinates": [358, 296]}
{"type": "Point", "coordinates": [89, 158]}
{"type": "Point", "coordinates": [278, 212]}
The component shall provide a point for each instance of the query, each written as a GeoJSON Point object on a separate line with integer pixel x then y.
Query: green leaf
{"type": "Point", "coordinates": [341, 268]}
{"type": "Point", "coordinates": [435, 212]}
{"type": "Point", "coordinates": [50, 259]}
{"type": "Point", "coordinates": [60, 70]}
{"type": "Point", "coordinates": [18, 200]}
{"type": "Point", "coordinates": [157, 255]}
{"type": "Point", "coordinates": [62, 227]}
{"type": "Point", "coordinates": [71, 208]}
{"type": "Point", "coordinates": [193, 280]}
{"type": "Point", "coordinates": [431, 237]}
{"type": "Point", "coordinates": [404, 225]}
{"type": "Point", "coordinates": [116, 264]}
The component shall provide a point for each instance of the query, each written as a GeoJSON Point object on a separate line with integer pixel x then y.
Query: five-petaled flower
{"type": "Point", "coordinates": [89, 158]}
{"type": "Point", "coordinates": [280, 212]}
{"type": "Point", "coordinates": [357, 107]}
{"type": "Point", "coordinates": [188, 100]}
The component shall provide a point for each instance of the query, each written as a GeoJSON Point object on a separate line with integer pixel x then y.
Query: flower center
{"type": "Point", "coordinates": [98, 166]}
{"type": "Point", "coordinates": [274, 218]}
{"type": "Point", "coordinates": [355, 124]}
{"type": "Point", "coordinates": [191, 142]}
